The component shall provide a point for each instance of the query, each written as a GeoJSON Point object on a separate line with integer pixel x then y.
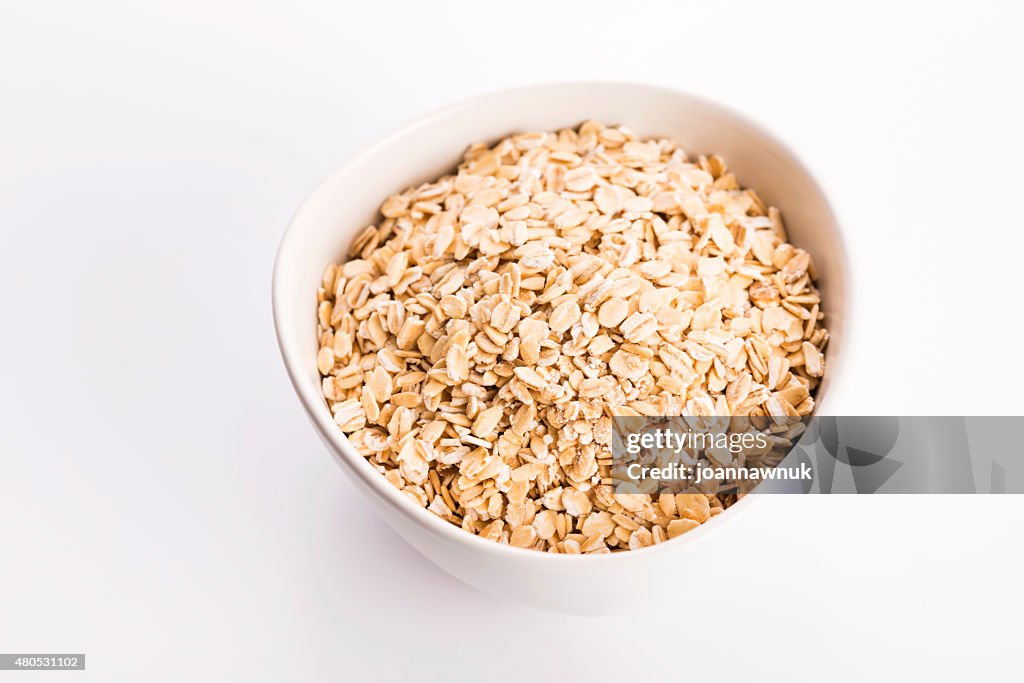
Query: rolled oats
{"type": "Point", "coordinates": [480, 337]}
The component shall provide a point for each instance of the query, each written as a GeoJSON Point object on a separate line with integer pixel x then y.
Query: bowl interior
{"type": "Point", "coordinates": [347, 200]}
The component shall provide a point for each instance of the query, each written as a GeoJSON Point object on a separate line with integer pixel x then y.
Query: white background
{"type": "Point", "coordinates": [166, 508]}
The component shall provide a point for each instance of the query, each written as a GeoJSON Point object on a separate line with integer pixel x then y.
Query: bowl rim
{"type": "Point", "coordinates": [315, 407]}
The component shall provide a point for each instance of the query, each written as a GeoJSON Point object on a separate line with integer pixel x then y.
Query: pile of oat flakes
{"type": "Point", "coordinates": [477, 342]}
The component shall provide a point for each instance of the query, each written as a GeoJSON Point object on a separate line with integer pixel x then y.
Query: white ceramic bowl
{"type": "Point", "coordinates": [347, 200]}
